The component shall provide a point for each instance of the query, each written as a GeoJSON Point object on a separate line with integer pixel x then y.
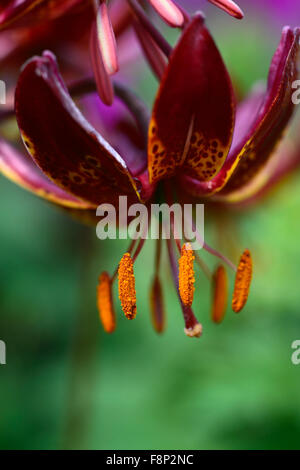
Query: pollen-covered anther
{"type": "Point", "coordinates": [219, 294]}
{"type": "Point", "coordinates": [127, 293]}
{"type": "Point", "coordinates": [186, 274]}
{"type": "Point", "coordinates": [242, 282]}
{"type": "Point", "coordinates": [105, 303]}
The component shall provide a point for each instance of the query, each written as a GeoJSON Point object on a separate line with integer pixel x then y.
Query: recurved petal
{"type": "Point", "coordinates": [60, 140]}
{"type": "Point", "coordinates": [283, 162]}
{"type": "Point", "coordinates": [20, 169]}
{"type": "Point", "coordinates": [252, 153]}
{"type": "Point", "coordinates": [252, 149]}
{"type": "Point", "coordinates": [193, 116]}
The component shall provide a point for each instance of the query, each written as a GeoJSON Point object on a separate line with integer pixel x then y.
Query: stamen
{"type": "Point", "coordinates": [193, 328]}
{"type": "Point", "coordinates": [230, 7]}
{"type": "Point", "coordinates": [242, 282]}
{"type": "Point", "coordinates": [106, 38]}
{"type": "Point", "coordinates": [127, 293]}
{"type": "Point", "coordinates": [105, 303]}
{"type": "Point", "coordinates": [169, 12]}
{"type": "Point", "coordinates": [129, 250]}
{"type": "Point", "coordinates": [186, 275]}
{"type": "Point", "coordinates": [220, 294]}
{"type": "Point", "coordinates": [157, 305]}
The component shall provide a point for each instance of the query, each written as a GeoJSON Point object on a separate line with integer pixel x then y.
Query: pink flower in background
{"type": "Point", "coordinates": [283, 11]}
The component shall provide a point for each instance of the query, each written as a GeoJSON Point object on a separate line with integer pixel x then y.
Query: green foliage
{"type": "Point", "coordinates": [68, 385]}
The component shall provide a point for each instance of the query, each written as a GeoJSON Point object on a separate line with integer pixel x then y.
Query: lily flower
{"type": "Point", "coordinates": [196, 143]}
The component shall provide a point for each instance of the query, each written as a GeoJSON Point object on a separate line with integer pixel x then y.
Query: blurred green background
{"type": "Point", "coordinates": [66, 384]}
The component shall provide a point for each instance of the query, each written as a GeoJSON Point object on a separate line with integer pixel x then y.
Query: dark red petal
{"type": "Point", "coordinates": [23, 171]}
{"type": "Point", "coordinates": [193, 115]}
{"type": "Point", "coordinates": [60, 140]}
{"type": "Point", "coordinates": [36, 10]}
{"type": "Point", "coordinates": [254, 148]}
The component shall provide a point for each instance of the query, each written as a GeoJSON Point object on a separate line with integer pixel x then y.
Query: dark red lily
{"type": "Point", "coordinates": [197, 144]}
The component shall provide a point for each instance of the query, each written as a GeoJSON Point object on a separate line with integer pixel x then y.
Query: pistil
{"type": "Point", "coordinates": [193, 328]}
